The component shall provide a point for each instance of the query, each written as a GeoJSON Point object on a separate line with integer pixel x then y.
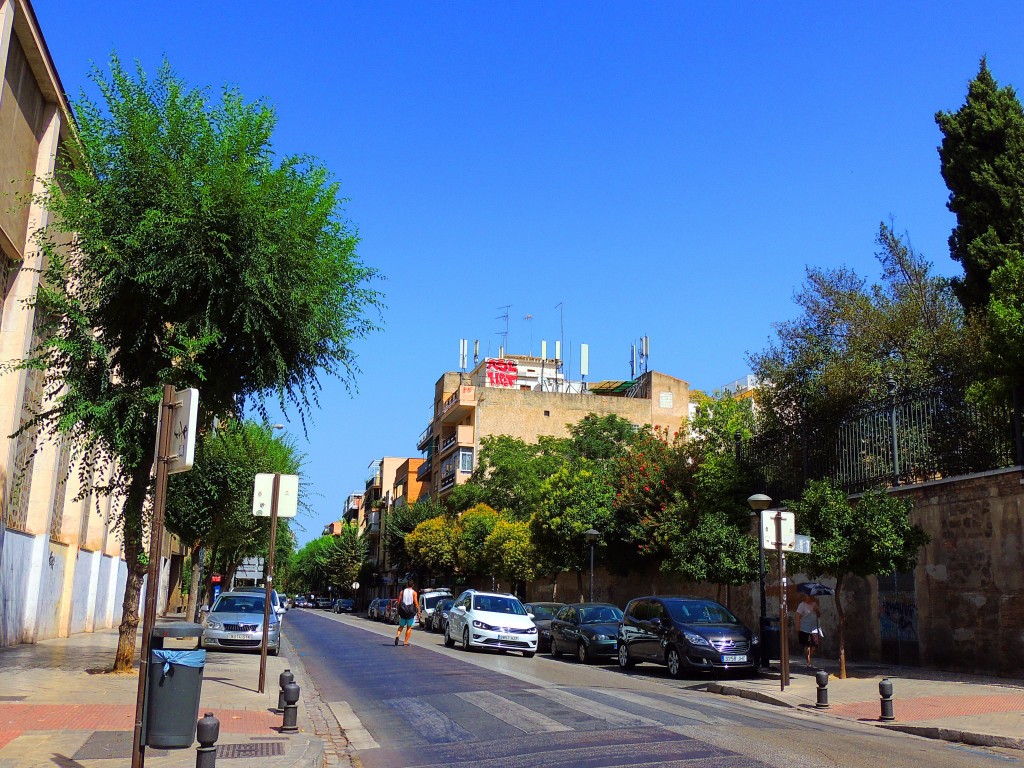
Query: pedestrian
{"type": "Point", "coordinates": [408, 610]}
{"type": "Point", "coordinates": [808, 613]}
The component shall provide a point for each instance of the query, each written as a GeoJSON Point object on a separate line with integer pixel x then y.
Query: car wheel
{"type": "Point", "coordinates": [625, 661]}
{"type": "Point", "coordinates": [673, 662]}
{"type": "Point", "coordinates": [528, 654]}
{"type": "Point", "coordinates": [555, 651]}
{"type": "Point", "coordinates": [582, 653]}
{"type": "Point", "coordinates": [448, 642]}
{"type": "Point", "coordinates": [465, 639]}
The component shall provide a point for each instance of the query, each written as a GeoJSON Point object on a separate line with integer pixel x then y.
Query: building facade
{"type": "Point", "coordinates": [61, 569]}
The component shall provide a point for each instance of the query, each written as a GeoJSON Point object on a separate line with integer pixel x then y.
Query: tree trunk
{"type": "Point", "coordinates": [193, 590]}
{"type": "Point", "coordinates": [132, 525]}
{"type": "Point", "coordinates": [842, 627]}
{"type": "Point", "coordinates": [209, 575]}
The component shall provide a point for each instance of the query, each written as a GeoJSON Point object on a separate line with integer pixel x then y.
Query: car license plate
{"type": "Point", "coordinates": [239, 636]}
{"type": "Point", "coordinates": [734, 659]}
{"type": "Point", "coordinates": [511, 638]}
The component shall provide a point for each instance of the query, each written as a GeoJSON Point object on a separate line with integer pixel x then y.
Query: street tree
{"type": "Point", "coordinates": [600, 438]}
{"type": "Point", "coordinates": [432, 546]}
{"type": "Point", "coordinates": [346, 555]}
{"type": "Point", "coordinates": [510, 551]}
{"type": "Point", "coordinates": [474, 526]}
{"type": "Point", "coordinates": [400, 521]}
{"type": "Point", "coordinates": [211, 505]}
{"type": "Point", "coordinates": [511, 472]}
{"type": "Point", "coordinates": [575, 498]}
{"type": "Point", "coordinates": [875, 538]}
{"type": "Point", "coordinates": [182, 251]}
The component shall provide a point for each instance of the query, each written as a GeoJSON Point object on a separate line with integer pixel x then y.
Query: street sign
{"type": "Point", "coordinates": [355, 585]}
{"type": "Point", "coordinates": [803, 545]}
{"type": "Point", "coordinates": [287, 496]}
{"type": "Point", "coordinates": [768, 529]}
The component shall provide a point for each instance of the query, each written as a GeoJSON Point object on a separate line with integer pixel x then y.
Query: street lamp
{"type": "Point", "coordinates": [592, 536]}
{"type": "Point", "coordinates": [757, 503]}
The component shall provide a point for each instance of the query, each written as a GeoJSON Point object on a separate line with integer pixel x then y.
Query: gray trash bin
{"type": "Point", "coordinates": [771, 637]}
{"type": "Point", "coordinates": [175, 679]}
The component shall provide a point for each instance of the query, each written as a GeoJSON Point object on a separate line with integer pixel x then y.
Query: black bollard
{"type": "Point", "coordinates": [207, 731]}
{"type": "Point", "coordinates": [291, 709]}
{"type": "Point", "coordinates": [821, 677]}
{"type": "Point", "coordinates": [283, 680]}
{"type": "Point", "coordinates": [885, 691]}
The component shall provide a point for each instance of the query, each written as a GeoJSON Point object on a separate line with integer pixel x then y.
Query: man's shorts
{"type": "Point", "coordinates": [406, 622]}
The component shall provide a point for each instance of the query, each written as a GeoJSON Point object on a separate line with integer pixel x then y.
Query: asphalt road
{"type": "Point", "coordinates": [427, 705]}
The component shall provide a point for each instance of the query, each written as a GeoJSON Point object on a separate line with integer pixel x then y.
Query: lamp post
{"type": "Point", "coordinates": [592, 536]}
{"type": "Point", "coordinates": [757, 503]}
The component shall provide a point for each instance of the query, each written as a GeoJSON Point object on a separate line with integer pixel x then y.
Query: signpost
{"type": "Point", "coordinates": [273, 496]}
{"type": "Point", "coordinates": [778, 532]}
{"type": "Point", "coordinates": [175, 452]}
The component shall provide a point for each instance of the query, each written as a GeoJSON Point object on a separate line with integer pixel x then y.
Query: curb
{"type": "Point", "coordinates": [952, 734]}
{"type": "Point", "coordinates": [744, 693]}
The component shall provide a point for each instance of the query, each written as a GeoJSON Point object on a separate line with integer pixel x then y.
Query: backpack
{"type": "Point", "coordinates": [406, 610]}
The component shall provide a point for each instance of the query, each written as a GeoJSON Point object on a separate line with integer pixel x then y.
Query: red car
{"type": "Point", "coordinates": [391, 612]}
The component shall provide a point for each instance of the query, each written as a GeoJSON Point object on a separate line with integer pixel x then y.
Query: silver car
{"type": "Point", "coordinates": [236, 623]}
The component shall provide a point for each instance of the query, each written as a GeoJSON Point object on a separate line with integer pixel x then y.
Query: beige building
{"type": "Point", "coordinates": [61, 569]}
{"type": "Point", "coordinates": [392, 481]}
{"type": "Point", "coordinates": [527, 397]}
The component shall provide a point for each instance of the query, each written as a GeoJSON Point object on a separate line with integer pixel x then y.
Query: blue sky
{"type": "Point", "coordinates": [666, 169]}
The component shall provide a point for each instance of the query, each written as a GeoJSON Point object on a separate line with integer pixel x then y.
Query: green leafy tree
{"type": "Point", "coordinates": [875, 538]}
{"type": "Point", "coordinates": [199, 259]}
{"type": "Point", "coordinates": [601, 438]}
{"type": "Point", "coordinates": [432, 546]}
{"type": "Point", "coordinates": [510, 551]}
{"type": "Point", "coordinates": [511, 472]}
{"type": "Point", "coordinates": [211, 505]}
{"type": "Point", "coordinates": [310, 570]}
{"type": "Point", "coordinates": [347, 555]}
{"type": "Point", "coordinates": [474, 526]}
{"type": "Point", "coordinates": [576, 498]}
{"type": "Point", "coordinates": [400, 522]}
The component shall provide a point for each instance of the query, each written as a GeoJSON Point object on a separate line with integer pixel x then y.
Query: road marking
{"type": "Point", "coordinates": [663, 706]}
{"type": "Point", "coordinates": [357, 735]}
{"type": "Point", "coordinates": [593, 708]}
{"type": "Point", "coordinates": [516, 715]}
{"type": "Point", "coordinates": [431, 723]}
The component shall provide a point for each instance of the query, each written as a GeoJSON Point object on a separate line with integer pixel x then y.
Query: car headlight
{"type": "Point", "coordinates": [602, 637]}
{"type": "Point", "coordinates": [481, 625]}
{"type": "Point", "coordinates": [754, 640]}
{"type": "Point", "coordinates": [531, 631]}
{"type": "Point", "coordinates": [214, 624]}
{"type": "Point", "coordinates": [694, 639]}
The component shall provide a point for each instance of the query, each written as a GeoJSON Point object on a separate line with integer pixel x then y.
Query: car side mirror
{"type": "Point", "coordinates": [205, 609]}
{"type": "Point", "coordinates": [460, 608]}
{"type": "Point", "coordinates": [279, 611]}
{"type": "Point", "coordinates": [530, 615]}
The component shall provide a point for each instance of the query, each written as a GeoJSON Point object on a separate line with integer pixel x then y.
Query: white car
{"type": "Point", "coordinates": [491, 620]}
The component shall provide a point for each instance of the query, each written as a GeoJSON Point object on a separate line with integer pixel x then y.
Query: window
{"type": "Point", "coordinates": [466, 460]}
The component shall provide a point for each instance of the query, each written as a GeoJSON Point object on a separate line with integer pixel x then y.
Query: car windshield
{"type": "Point", "coordinates": [600, 614]}
{"type": "Point", "coordinates": [498, 604]}
{"type": "Point", "coordinates": [543, 612]}
{"type": "Point", "coordinates": [445, 605]}
{"type": "Point", "coordinates": [700, 612]}
{"type": "Point", "coordinates": [432, 600]}
{"type": "Point", "coordinates": [239, 604]}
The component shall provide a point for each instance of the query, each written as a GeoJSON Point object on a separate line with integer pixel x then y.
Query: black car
{"type": "Point", "coordinates": [586, 630]}
{"type": "Point", "coordinates": [543, 613]}
{"type": "Point", "coordinates": [439, 617]}
{"type": "Point", "coordinates": [685, 632]}
{"type": "Point", "coordinates": [344, 605]}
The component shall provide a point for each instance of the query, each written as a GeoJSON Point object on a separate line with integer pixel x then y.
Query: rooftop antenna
{"type": "Point", "coordinates": [645, 352]}
{"type": "Point", "coordinates": [561, 332]}
{"type": "Point", "coordinates": [529, 319]}
{"type": "Point", "coordinates": [463, 353]}
{"type": "Point", "coordinates": [476, 352]}
{"type": "Point", "coordinates": [504, 334]}
{"type": "Point", "coordinates": [632, 361]}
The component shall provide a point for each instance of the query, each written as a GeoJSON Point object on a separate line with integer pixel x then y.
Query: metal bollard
{"type": "Point", "coordinates": [207, 731]}
{"type": "Point", "coordinates": [821, 677]}
{"type": "Point", "coordinates": [283, 680]}
{"type": "Point", "coordinates": [291, 709]}
{"type": "Point", "coordinates": [885, 691]}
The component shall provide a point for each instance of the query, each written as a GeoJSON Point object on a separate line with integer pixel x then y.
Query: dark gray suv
{"type": "Point", "coordinates": [685, 632]}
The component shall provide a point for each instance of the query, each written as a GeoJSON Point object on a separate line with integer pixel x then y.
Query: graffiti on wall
{"type": "Point", "coordinates": [502, 373]}
{"type": "Point", "coordinates": [898, 616]}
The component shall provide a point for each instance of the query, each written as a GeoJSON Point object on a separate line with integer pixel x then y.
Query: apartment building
{"type": "Point", "coordinates": [526, 397]}
{"type": "Point", "coordinates": [61, 565]}
{"type": "Point", "coordinates": [391, 481]}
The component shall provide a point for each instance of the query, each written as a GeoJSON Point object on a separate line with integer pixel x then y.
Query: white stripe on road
{"type": "Point", "coordinates": [431, 723]}
{"type": "Point", "coordinates": [663, 706]}
{"type": "Point", "coordinates": [516, 715]}
{"type": "Point", "coordinates": [593, 708]}
{"type": "Point", "coordinates": [357, 735]}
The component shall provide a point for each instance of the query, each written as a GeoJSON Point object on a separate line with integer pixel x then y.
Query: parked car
{"type": "Point", "coordinates": [391, 611]}
{"type": "Point", "coordinates": [235, 622]}
{"type": "Point", "coordinates": [491, 620]}
{"type": "Point", "coordinates": [586, 630]}
{"type": "Point", "coordinates": [275, 599]}
{"type": "Point", "coordinates": [344, 605]}
{"type": "Point", "coordinates": [685, 632]}
{"type": "Point", "coordinates": [428, 599]}
{"type": "Point", "coordinates": [543, 613]}
{"type": "Point", "coordinates": [324, 602]}
{"type": "Point", "coordinates": [439, 617]}
{"type": "Point", "coordinates": [375, 611]}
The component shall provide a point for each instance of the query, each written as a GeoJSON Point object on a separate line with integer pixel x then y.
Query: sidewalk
{"type": "Point", "coordinates": [984, 711]}
{"type": "Point", "coordinates": [60, 707]}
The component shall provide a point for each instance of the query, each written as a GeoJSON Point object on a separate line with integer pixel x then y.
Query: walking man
{"type": "Point", "coordinates": [408, 610]}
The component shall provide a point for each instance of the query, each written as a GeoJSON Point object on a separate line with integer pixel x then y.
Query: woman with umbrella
{"type": "Point", "coordinates": [808, 615]}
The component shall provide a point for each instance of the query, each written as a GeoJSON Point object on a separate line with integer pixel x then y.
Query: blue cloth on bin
{"type": "Point", "coordinates": [195, 659]}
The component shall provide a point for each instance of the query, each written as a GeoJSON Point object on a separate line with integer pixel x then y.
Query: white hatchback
{"type": "Point", "coordinates": [491, 620]}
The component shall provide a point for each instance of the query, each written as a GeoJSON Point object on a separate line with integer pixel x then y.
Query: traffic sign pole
{"type": "Point", "coordinates": [783, 610]}
{"type": "Point", "coordinates": [269, 583]}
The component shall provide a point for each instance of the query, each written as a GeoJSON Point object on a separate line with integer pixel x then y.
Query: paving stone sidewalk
{"type": "Point", "coordinates": [60, 707]}
{"type": "Point", "coordinates": [984, 711]}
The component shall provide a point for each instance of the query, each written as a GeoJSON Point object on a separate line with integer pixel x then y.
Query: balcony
{"type": "Point", "coordinates": [425, 437]}
{"type": "Point", "coordinates": [462, 436]}
{"type": "Point", "coordinates": [448, 481]}
{"type": "Point", "coordinates": [423, 472]}
{"type": "Point", "coordinates": [459, 404]}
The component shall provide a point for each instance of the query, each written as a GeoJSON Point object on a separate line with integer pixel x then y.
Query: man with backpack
{"type": "Point", "coordinates": [408, 611]}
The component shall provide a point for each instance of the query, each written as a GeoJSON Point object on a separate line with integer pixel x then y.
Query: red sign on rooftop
{"type": "Point", "coordinates": [502, 373]}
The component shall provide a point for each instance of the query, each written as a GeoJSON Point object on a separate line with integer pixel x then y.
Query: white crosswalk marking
{"type": "Point", "coordinates": [431, 723]}
{"type": "Point", "coordinates": [523, 718]}
{"type": "Point", "coordinates": [663, 706]}
{"type": "Point", "coordinates": [593, 708]}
